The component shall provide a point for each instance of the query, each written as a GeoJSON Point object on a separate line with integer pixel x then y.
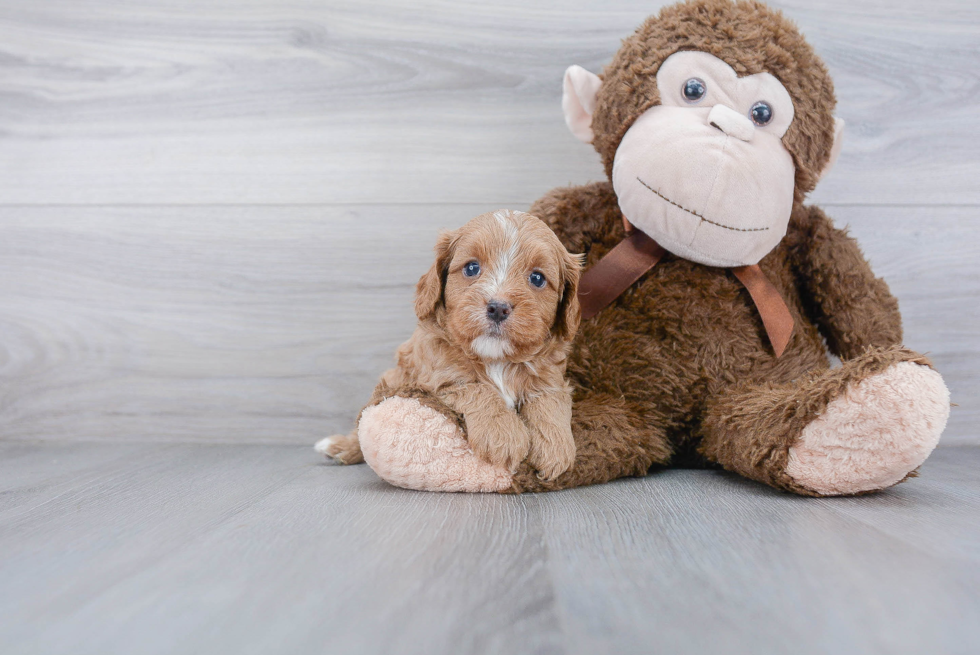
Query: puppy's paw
{"type": "Point", "coordinates": [508, 453]}
{"type": "Point", "coordinates": [344, 448]}
{"type": "Point", "coordinates": [502, 442]}
{"type": "Point", "coordinates": [552, 452]}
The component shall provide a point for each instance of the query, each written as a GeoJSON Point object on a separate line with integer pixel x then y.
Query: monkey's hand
{"type": "Point", "coordinates": [856, 309]}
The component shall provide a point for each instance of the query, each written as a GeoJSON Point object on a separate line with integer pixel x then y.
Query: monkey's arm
{"type": "Point", "coordinates": [581, 215]}
{"type": "Point", "coordinates": [853, 308]}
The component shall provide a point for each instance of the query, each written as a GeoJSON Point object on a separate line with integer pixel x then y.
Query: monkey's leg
{"type": "Point", "coordinates": [610, 442]}
{"type": "Point", "coordinates": [413, 444]}
{"type": "Point", "coordinates": [862, 427]}
{"type": "Point", "coordinates": [417, 443]}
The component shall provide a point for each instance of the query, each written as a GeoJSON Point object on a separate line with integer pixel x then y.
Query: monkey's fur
{"type": "Point", "coordinates": [678, 370]}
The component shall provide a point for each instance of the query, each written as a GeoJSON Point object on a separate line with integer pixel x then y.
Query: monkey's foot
{"type": "Point", "coordinates": [413, 446]}
{"type": "Point", "coordinates": [874, 434]}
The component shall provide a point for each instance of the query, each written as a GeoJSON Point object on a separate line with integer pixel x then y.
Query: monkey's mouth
{"type": "Point", "coordinates": [699, 216]}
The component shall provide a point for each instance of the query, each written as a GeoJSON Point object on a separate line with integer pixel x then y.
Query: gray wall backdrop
{"type": "Point", "coordinates": [212, 213]}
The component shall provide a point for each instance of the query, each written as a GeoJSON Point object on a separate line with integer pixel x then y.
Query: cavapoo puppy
{"type": "Point", "coordinates": [497, 312]}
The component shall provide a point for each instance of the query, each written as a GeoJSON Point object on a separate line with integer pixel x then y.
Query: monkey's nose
{"type": "Point", "coordinates": [731, 122]}
{"type": "Point", "coordinates": [498, 311]}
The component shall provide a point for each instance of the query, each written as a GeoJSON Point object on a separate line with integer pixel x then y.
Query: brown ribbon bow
{"type": "Point", "coordinates": [638, 253]}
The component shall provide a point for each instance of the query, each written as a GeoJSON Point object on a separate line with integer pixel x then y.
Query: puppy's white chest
{"type": "Point", "coordinates": [498, 374]}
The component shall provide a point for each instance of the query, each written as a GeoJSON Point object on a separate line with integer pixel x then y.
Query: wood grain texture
{"type": "Point", "coordinates": [168, 274]}
{"type": "Point", "coordinates": [142, 548]}
{"type": "Point", "coordinates": [305, 101]}
{"type": "Point", "coordinates": [259, 324]}
{"type": "Point", "coordinates": [694, 563]}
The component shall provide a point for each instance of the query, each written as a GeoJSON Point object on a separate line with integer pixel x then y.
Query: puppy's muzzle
{"type": "Point", "coordinates": [498, 311]}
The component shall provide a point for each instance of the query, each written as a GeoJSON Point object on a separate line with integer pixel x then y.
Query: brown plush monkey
{"type": "Point", "coordinates": [713, 120]}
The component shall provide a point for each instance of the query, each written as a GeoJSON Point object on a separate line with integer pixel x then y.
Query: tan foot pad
{"type": "Point", "coordinates": [875, 434]}
{"type": "Point", "coordinates": [413, 446]}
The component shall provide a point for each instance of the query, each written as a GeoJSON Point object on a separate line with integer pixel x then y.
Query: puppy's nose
{"type": "Point", "coordinates": [498, 311]}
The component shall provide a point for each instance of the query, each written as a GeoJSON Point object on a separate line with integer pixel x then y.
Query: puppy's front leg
{"type": "Point", "coordinates": [549, 417]}
{"type": "Point", "coordinates": [495, 432]}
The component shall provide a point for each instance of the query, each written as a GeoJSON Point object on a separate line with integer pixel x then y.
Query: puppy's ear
{"type": "Point", "coordinates": [568, 315]}
{"type": "Point", "coordinates": [429, 291]}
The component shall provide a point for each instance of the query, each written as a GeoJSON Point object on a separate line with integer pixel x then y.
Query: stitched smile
{"type": "Point", "coordinates": [694, 213]}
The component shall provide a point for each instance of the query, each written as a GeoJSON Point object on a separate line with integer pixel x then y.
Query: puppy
{"type": "Point", "coordinates": [497, 312]}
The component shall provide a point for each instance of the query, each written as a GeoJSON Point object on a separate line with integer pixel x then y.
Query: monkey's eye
{"type": "Point", "coordinates": [472, 269]}
{"type": "Point", "coordinates": [761, 113]}
{"type": "Point", "coordinates": [537, 279]}
{"type": "Point", "coordinates": [694, 89]}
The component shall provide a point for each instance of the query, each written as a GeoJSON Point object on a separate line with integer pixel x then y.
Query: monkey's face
{"type": "Point", "coordinates": [705, 173]}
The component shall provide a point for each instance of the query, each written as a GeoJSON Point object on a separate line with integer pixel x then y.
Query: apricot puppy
{"type": "Point", "coordinates": [497, 312]}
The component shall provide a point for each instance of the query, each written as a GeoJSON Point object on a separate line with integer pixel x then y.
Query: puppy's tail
{"type": "Point", "coordinates": [344, 448]}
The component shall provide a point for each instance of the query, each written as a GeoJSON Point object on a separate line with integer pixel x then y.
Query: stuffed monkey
{"type": "Point", "coordinates": [713, 120]}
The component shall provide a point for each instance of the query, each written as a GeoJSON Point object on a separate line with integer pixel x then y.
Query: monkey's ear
{"type": "Point", "coordinates": [578, 101]}
{"type": "Point", "coordinates": [432, 284]}
{"type": "Point", "coordinates": [835, 149]}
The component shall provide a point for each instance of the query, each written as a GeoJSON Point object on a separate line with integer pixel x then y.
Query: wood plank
{"type": "Point", "coordinates": [706, 562]}
{"type": "Point", "coordinates": [234, 324]}
{"type": "Point", "coordinates": [309, 102]}
{"type": "Point", "coordinates": [272, 324]}
{"type": "Point", "coordinates": [257, 549]}
{"type": "Point", "coordinates": [939, 514]}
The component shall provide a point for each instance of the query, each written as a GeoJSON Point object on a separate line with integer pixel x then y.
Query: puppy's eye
{"type": "Point", "coordinates": [761, 113]}
{"type": "Point", "coordinates": [537, 279]}
{"type": "Point", "coordinates": [472, 269]}
{"type": "Point", "coordinates": [694, 89]}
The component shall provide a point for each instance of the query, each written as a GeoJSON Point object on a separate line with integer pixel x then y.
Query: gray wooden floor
{"type": "Point", "coordinates": [212, 215]}
{"type": "Point", "coordinates": [181, 548]}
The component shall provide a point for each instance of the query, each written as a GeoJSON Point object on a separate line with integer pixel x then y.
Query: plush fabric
{"type": "Point", "coordinates": [866, 438]}
{"type": "Point", "coordinates": [748, 36]}
{"type": "Point", "coordinates": [413, 446]}
{"type": "Point", "coordinates": [717, 209]}
{"type": "Point", "coordinates": [687, 354]}
{"type": "Point", "coordinates": [578, 109]}
{"type": "Point", "coordinates": [698, 176]}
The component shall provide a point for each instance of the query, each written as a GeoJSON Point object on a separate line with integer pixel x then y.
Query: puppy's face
{"type": "Point", "coordinates": [506, 284]}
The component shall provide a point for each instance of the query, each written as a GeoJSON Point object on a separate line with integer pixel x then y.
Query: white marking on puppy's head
{"type": "Point", "coordinates": [505, 259]}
